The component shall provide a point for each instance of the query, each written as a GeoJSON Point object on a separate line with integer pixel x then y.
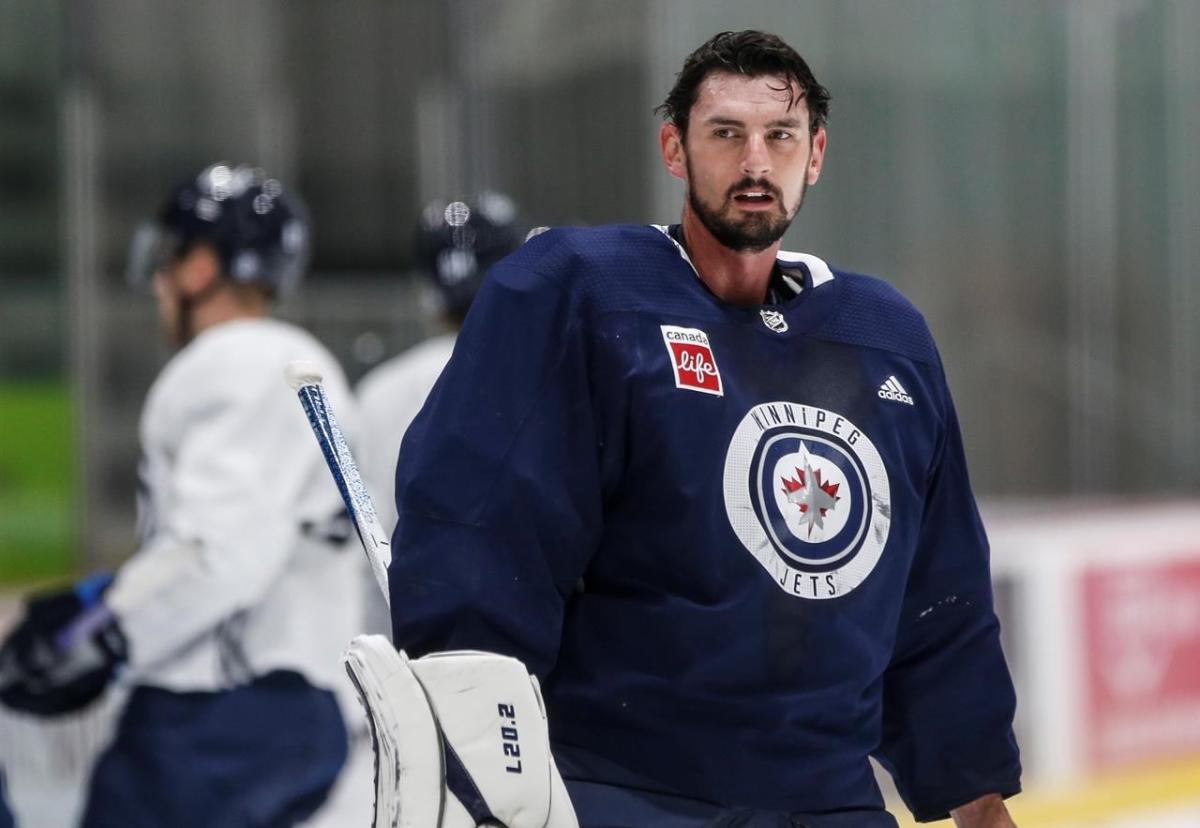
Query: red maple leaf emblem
{"type": "Point", "coordinates": [795, 484]}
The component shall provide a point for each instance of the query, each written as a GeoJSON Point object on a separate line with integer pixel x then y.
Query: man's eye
{"type": "Point", "coordinates": [781, 135]}
{"type": "Point", "coordinates": [724, 132]}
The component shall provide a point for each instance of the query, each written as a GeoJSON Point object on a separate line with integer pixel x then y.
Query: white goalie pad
{"type": "Point", "coordinates": [460, 740]}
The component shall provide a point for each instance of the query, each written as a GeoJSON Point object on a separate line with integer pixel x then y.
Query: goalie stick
{"type": "Point", "coordinates": [305, 380]}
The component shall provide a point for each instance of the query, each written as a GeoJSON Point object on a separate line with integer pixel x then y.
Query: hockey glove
{"type": "Point", "coordinates": [64, 652]}
{"type": "Point", "coordinates": [460, 740]}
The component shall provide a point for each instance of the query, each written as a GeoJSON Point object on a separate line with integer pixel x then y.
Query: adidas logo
{"type": "Point", "coordinates": [894, 391]}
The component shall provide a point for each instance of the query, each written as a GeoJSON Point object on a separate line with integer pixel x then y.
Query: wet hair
{"type": "Point", "coordinates": [753, 54]}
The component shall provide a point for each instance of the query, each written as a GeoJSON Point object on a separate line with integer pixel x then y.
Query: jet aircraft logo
{"type": "Point", "coordinates": [807, 494]}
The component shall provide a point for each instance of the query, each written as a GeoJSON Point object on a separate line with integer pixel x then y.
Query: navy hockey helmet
{"type": "Point", "coordinates": [457, 242]}
{"type": "Point", "coordinates": [260, 232]}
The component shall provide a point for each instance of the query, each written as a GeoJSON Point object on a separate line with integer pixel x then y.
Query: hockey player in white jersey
{"type": "Point", "coordinates": [456, 243]}
{"type": "Point", "coordinates": [229, 619]}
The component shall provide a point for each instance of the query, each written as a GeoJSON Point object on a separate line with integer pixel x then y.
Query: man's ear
{"type": "Point", "coordinates": [674, 155]}
{"type": "Point", "coordinates": [198, 271]}
{"type": "Point", "coordinates": [817, 159]}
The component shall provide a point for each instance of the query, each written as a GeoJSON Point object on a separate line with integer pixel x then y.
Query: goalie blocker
{"type": "Point", "coordinates": [460, 740]}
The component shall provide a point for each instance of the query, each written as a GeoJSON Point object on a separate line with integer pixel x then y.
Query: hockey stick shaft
{"type": "Point", "coordinates": [305, 378]}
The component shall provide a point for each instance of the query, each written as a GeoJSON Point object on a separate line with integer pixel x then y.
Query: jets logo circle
{"type": "Point", "coordinates": [807, 494]}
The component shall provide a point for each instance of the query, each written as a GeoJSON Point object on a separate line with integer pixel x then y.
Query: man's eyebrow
{"type": "Point", "coordinates": [787, 123]}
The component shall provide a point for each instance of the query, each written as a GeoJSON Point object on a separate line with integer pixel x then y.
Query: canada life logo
{"type": "Point", "coordinates": [692, 359]}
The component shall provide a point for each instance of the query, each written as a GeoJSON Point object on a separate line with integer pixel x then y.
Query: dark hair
{"type": "Point", "coordinates": [750, 53]}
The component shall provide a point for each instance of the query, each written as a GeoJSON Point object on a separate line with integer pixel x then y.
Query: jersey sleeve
{"type": "Point", "coordinates": [948, 697]}
{"type": "Point", "coordinates": [497, 485]}
{"type": "Point", "coordinates": [227, 517]}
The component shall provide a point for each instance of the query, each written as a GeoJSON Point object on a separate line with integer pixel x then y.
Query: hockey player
{"type": "Point", "coordinates": [230, 618]}
{"type": "Point", "coordinates": [714, 495]}
{"type": "Point", "coordinates": [456, 243]}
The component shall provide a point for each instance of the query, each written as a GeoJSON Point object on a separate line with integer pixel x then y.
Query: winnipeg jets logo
{"type": "Point", "coordinates": [814, 499]}
{"type": "Point", "coordinates": [774, 320]}
{"type": "Point", "coordinates": [692, 359]}
{"type": "Point", "coordinates": [807, 494]}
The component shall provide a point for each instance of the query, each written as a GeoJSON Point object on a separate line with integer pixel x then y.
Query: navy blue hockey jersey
{"type": "Point", "coordinates": [738, 544]}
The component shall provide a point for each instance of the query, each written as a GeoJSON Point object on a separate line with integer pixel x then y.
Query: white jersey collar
{"type": "Point", "coordinates": [789, 263]}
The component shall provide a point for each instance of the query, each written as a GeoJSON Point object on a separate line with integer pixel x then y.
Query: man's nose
{"type": "Point", "coordinates": [756, 162]}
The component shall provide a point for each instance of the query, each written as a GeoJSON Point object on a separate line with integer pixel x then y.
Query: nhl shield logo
{"type": "Point", "coordinates": [692, 359]}
{"type": "Point", "coordinates": [807, 494]}
{"type": "Point", "coordinates": [774, 320]}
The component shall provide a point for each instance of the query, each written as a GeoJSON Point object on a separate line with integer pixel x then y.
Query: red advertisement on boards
{"type": "Point", "coordinates": [1142, 648]}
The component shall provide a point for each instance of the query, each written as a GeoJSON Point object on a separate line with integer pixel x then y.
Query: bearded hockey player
{"type": "Point", "coordinates": [714, 495]}
{"type": "Point", "coordinates": [229, 619]}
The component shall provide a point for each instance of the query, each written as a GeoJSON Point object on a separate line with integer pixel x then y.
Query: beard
{"type": "Point", "coordinates": [749, 232]}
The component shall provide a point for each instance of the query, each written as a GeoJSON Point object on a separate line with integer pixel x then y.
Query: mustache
{"type": "Point", "coordinates": [755, 184]}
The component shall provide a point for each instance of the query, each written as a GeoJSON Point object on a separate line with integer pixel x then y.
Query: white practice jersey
{"type": "Point", "coordinates": [389, 397]}
{"type": "Point", "coordinates": [240, 571]}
